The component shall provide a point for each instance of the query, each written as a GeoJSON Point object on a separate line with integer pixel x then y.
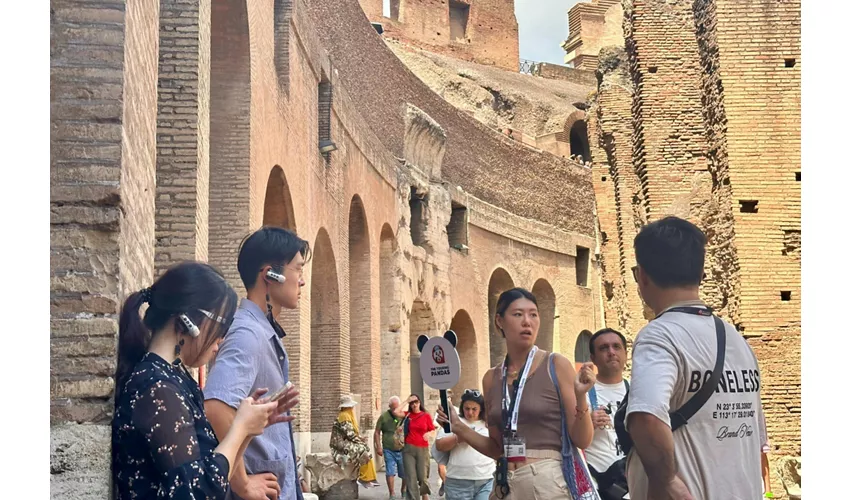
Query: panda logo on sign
{"type": "Point", "coordinates": [438, 355]}
{"type": "Point", "coordinates": [440, 364]}
{"type": "Point", "coordinates": [440, 370]}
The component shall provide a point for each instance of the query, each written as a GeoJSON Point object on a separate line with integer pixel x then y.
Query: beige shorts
{"type": "Point", "coordinates": [541, 480]}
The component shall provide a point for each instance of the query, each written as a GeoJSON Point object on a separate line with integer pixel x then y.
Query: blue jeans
{"type": "Point", "coordinates": [394, 463]}
{"type": "Point", "coordinates": [468, 489]}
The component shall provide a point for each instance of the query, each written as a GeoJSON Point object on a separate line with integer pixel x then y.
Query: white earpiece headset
{"type": "Point", "coordinates": [272, 275]}
{"type": "Point", "coordinates": [190, 325]}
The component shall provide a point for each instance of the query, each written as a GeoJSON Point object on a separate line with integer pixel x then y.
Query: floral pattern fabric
{"type": "Point", "coordinates": [347, 446]}
{"type": "Point", "coordinates": [163, 444]}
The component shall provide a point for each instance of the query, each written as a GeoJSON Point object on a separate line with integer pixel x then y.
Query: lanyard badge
{"type": "Point", "coordinates": [514, 445]}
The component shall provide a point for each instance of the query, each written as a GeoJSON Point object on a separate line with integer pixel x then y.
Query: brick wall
{"type": "Point", "coordinates": [592, 25]}
{"type": "Point", "coordinates": [620, 208]}
{"type": "Point", "coordinates": [558, 72]}
{"type": "Point", "coordinates": [182, 194]}
{"type": "Point", "coordinates": [756, 41]}
{"type": "Point", "coordinates": [230, 152]}
{"type": "Point", "coordinates": [103, 124]}
{"type": "Point", "coordinates": [492, 32]}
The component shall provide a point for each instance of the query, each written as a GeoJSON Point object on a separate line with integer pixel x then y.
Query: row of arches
{"type": "Point", "coordinates": [365, 358]}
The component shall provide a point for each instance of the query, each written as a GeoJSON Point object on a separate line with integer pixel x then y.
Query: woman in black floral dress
{"type": "Point", "coordinates": [162, 444]}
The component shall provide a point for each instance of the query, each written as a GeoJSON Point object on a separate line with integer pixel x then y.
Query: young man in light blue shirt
{"type": "Point", "coordinates": [252, 357]}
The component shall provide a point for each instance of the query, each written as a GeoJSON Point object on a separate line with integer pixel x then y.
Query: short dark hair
{"type": "Point", "coordinates": [268, 245]}
{"type": "Point", "coordinates": [468, 396]}
{"type": "Point", "coordinates": [671, 251]}
{"type": "Point", "coordinates": [601, 333]}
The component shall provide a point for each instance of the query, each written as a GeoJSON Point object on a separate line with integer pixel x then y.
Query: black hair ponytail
{"type": "Point", "coordinates": [133, 339]}
{"type": "Point", "coordinates": [185, 288]}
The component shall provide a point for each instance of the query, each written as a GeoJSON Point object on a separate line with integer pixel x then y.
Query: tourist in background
{"type": "Point", "coordinates": [523, 383]}
{"type": "Point", "coordinates": [415, 454]}
{"type": "Point", "coordinates": [271, 265]}
{"type": "Point", "coordinates": [388, 445]}
{"type": "Point", "coordinates": [347, 446]}
{"type": "Point", "coordinates": [162, 444]}
{"type": "Point", "coordinates": [469, 474]}
{"type": "Point", "coordinates": [605, 458]}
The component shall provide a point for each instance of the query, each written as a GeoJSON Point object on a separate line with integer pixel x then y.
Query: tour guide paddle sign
{"type": "Point", "coordinates": [439, 366]}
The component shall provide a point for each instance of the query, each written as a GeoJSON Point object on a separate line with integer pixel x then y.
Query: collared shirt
{"type": "Point", "coordinates": [250, 357]}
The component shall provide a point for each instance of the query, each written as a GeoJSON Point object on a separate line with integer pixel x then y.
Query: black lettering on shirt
{"type": "Point", "coordinates": [738, 387]}
{"type": "Point", "coordinates": [721, 384]}
{"type": "Point", "coordinates": [729, 381]}
{"type": "Point", "coordinates": [695, 381]}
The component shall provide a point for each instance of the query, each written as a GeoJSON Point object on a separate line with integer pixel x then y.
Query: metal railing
{"type": "Point", "coordinates": [526, 66]}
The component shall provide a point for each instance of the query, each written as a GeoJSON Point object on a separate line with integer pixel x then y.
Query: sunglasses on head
{"type": "Point", "coordinates": [474, 392]}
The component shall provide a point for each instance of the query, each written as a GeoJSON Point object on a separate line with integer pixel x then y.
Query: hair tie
{"type": "Point", "coordinates": [146, 294]}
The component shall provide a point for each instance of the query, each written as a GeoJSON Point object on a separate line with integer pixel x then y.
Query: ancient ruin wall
{"type": "Point", "coordinates": [491, 36]}
{"type": "Point", "coordinates": [678, 163]}
{"type": "Point", "coordinates": [103, 131]}
{"type": "Point", "coordinates": [614, 175]}
{"type": "Point", "coordinates": [758, 54]}
{"type": "Point", "coordinates": [477, 158]}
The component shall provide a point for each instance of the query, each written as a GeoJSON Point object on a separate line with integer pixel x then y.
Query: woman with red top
{"type": "Point", "coordinates": [415, 453]}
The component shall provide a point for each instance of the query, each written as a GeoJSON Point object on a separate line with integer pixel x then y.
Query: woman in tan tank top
{"type": "Point", "coordinates": [536, 473]}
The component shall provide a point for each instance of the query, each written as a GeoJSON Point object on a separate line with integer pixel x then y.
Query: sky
{"type": "Point", "coordinates": [542, 28]}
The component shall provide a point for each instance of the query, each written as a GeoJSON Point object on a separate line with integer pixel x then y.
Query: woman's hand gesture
{"type": "Point", "coordinates": [585, 379]}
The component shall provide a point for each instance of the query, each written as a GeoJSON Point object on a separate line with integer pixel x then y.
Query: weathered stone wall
{"type": "Point", "coordinates": [103, 136]}
{"type": "Point", "coordinates": [618, 195]}
{"type": "Point", "coordinates": [491, 37]}
{"type": "Point", "coordinates": [592, 25]}
{"type": "Point", "coordinates": [758, 62]}
{"type": "Point", "coordinates": [502, 100]}
{"type": "Point", "coordinates": [715, 138]}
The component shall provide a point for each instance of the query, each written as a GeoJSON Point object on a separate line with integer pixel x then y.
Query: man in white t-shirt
{"type": "Point", "coordinates": [608, 353]}
{"type": "Point", "coordinates": [717, 454]}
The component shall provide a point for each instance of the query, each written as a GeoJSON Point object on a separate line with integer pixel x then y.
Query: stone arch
{"type": "Point", "coordinates": [391, 345]}
{"type": "Point", "coordinates": [500, 281]}
{"type": "Point", "coordinates": [230, 115]}
{"type": "Point", "coordinates": [467, 348]}
{"type": "Point", "coordinates": [579, 145]}
{"type": "Point", "coordinates": [545, 296]}
{"type": "Point", "coordinates": [277, 207]}
{"type": "Point", "coordinates": [360, 308]}
{"type": "Point", "coordinates": [326, 339]}
{"type": "Point", "coordinates": [278, 211]}
{"type": "Point", "coordinates": [582, 350]}
{"type": "Point", "coordinates": [575, 131]}
{"type": "Point", "coordinates": [422, 322]}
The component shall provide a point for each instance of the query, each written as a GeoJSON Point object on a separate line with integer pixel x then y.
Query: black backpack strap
{"type": "Point", "coordinates": [681, 416]}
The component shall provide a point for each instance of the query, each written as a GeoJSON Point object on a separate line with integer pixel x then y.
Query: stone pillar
{"type": "Point", "coordinates": [183, 119]}
{"type": "Point", "coordinates": [103, 154]}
